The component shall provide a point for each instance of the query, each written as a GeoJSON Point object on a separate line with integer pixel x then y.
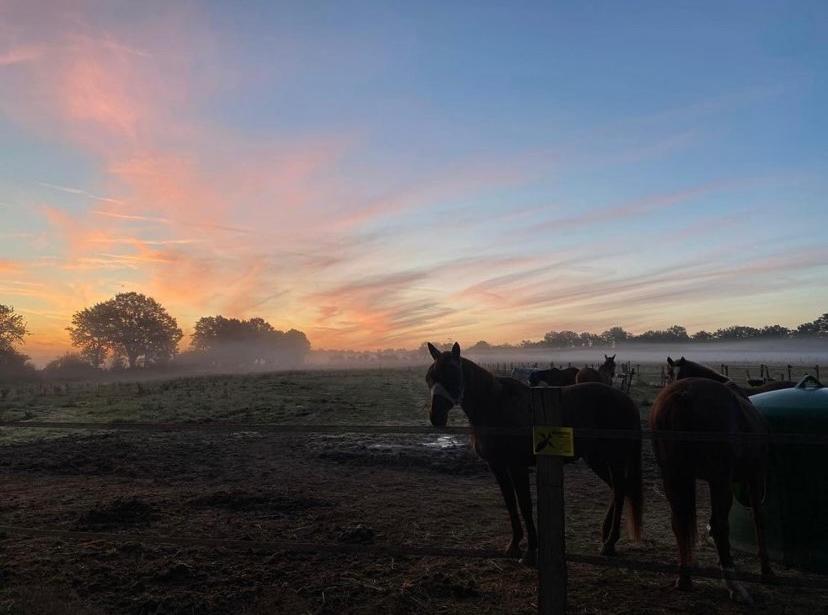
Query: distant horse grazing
{"type": "Point", "coordinates": [703, 405]}
{"type": "Point", "coordinates": [677, 370]}
{"type": "Point", "coordinates": [605, 373]}
{"type": "Point", "coordinates": [553, 377]}
{"type": "Point", "coordinates": [492, 402]}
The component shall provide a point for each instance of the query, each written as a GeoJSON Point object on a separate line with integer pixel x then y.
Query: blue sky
{"type": "Point", "coordinates": [381, 173]}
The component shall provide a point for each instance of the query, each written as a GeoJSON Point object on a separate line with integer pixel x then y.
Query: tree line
{"type": "Point", "coordinates": [133, 331]}
{"type": "Point", "coordinates": [675, 334]}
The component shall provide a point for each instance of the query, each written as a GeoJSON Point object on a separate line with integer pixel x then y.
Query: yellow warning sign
{"type": "Point", "coordinates": [558, 441]}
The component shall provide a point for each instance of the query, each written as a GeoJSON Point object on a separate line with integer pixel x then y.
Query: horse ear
{"type": "Point", "coordinates": [455, 350]}
{"type": "Point", "coordinates": [669, 360]}
{"type": "Point", "coordinates": [612, 358]}
{"type": "Point", "coordinates": [681, 361]}
{"type": "Point", "coordinates": [606, 358]}
{"type": "Point", "coordinates": [433, 350]}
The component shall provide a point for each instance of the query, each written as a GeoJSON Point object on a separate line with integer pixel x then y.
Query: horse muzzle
{"type": "Point", "coordinates": [441, 402]}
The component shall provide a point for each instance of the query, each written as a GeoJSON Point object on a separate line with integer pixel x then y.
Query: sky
{"type": "Point", "coordinates": [380, 174]}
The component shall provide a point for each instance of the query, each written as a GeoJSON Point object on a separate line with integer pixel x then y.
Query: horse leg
{"type": "Point", "coordinates": [520, 477]}
{"type": "Point", "coordinates": [756, 488]}
{"type": "Point", "coordinates": [681, 494]}
{"type": "Point", "coordinates": [721, 500]}
{"type": "Point", "coordinates": [603, 472]}
{"type": "Point", "coordinates": [507, 488]}
{"type": "Point", "coordinates": [617, 507]}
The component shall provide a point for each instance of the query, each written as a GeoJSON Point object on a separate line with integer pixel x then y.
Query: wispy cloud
{"type": "Point", "coordinates": [81, 192]}
{"type": "Point", "coordinates": [19, 55]}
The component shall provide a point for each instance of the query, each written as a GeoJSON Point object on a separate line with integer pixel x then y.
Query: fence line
{"type": "Point", "coordinates": [806, 581]}
{"type": "Point", "coordinates": [277, 428]}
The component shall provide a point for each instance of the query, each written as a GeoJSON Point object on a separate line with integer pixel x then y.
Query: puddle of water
{"type": "Point", "coordinates": [444, 442]}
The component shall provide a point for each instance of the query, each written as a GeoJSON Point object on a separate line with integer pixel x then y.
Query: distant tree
{"type": "Point", "coordinates": [479, 346]}
{"type": "Point", "coordinates": [676, 333]}
{"type": "Point", "coordinates": [296, 344]}
{"type": "Point", "coordinates": [130, 325]}
{"type": "Point", "coordinates": [774, 331]}
{"type": "Point", "coordinates": [736, 332]}
{"type": "Point", "coordinates": [614, 335]}
{"type": "Point", "coordinates": [230, 341]}
{"type": "Point", "coordinates": [815, 328]}
{"type": "Point", "coordinates": [588, 340]}
{"type": "Point", "coordinates": [71, 365]}
{"type": "Point", "coordinates": [561, 339]}
{"type": "Point", "coordinates": [822, 324]}
{"type": "Point", "coordinates": [702, 336]}
{"type": "Point", "coordinates": [12, 328]}
{"type": "Point", "coordinates": [15, 365]}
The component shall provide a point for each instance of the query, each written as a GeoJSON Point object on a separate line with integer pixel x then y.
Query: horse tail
{"type": "Point", "coordinates": [635, 491]}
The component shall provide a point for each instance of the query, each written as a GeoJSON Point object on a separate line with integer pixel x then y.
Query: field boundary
{"type": "Point", "coordinates": [321, 429]}
{"type": "Point", "coordinates": [814, 582]}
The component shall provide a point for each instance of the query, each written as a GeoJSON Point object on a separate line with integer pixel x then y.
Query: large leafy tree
{"type": "Point", "coordinates": [12, 328]}
{"type": "Point", "coordinates": [131, 326]}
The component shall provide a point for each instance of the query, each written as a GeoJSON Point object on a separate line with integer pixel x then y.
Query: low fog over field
{"type": "Point", "coordinates": [795, 352]}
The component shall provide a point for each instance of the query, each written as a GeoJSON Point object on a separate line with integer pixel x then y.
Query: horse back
{"type": "Point", "coordinates": [588, 374]}
{"type": "Point", "coordinates": [707, 406]}
{"type": "Point", "coordinates": [595, 405]}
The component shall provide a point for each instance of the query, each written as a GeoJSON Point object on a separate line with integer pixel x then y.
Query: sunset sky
{"type": "Point", "coordinates": [379, 174]}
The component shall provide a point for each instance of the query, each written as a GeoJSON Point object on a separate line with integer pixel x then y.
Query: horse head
{"type": "Point", "coordinates": [676, 370]}
{"type": "Point", "coordinates": [609, 366]}
{"type": "Point", "coordinates": [445, 379]}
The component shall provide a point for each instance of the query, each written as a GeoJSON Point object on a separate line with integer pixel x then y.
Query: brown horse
{"type": "Point", "coordinates": [677, 370]}
{"type": "Point", "coordinates": [605, 373]}
{"type": "Point", "coordinates": [553, 377]}
{"type": "Point", "coordinates": [700, 404]}
{"type": "Point", "coordinates": [492, 402]}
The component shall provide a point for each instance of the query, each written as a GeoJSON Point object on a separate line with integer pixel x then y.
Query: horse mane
{"type": "Point", "coordinates": [702, 371]}
{"type": "Point", "coordinates": [473, 372]}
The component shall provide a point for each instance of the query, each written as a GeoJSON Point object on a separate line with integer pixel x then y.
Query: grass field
{"type": "Point", "coordinates": [331, 488]}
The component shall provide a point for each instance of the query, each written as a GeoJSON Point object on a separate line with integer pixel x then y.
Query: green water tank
{"type": "Point", "coordinates": [796, 502]}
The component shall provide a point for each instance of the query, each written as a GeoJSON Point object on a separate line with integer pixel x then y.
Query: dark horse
{"type": "Point", "coordinates": [553, 376]}
{"type": "Point", "coordinates": [492, 402]}
{"type": "Point", "coordinates": [721, 410]}
{"type": "Point", "coordinates": [676, 370]}
{"type": "Point", "coordinates": [605, 373]}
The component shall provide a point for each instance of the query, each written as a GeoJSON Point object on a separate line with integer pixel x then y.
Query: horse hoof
{"type": "Point", "coordinates": [608, 550]}
{"type": "Point", "coordinates": [684, 584]}
{"type": "Point", "coordinates": [530, 559]}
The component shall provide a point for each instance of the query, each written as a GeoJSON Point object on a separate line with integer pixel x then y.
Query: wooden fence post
{"type": "Point", "coordinates": [547, 411]}
{"type": "Point", "coordinates": [816, 371]}
{"type": "Point", "coordinates": [789, 372]}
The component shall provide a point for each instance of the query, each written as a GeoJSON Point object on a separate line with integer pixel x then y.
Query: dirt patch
{"type": "Point", "coordinates": [241, 501]}
{"type": "Point", "coordinates": [441, 585]}
{"type": "Point", "coordinates": [121, 512]}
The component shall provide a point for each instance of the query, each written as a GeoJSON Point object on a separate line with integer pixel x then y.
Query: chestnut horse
{"type": "Point", "coordinates": [721, 410]}
{"type": "Point", "coordinates": [492, 403]}
{"type": "Point", "coordinates": [605, 373]}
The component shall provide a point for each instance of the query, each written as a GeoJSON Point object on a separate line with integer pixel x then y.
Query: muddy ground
{"type": "Point", "coordinates": [413, 490]}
